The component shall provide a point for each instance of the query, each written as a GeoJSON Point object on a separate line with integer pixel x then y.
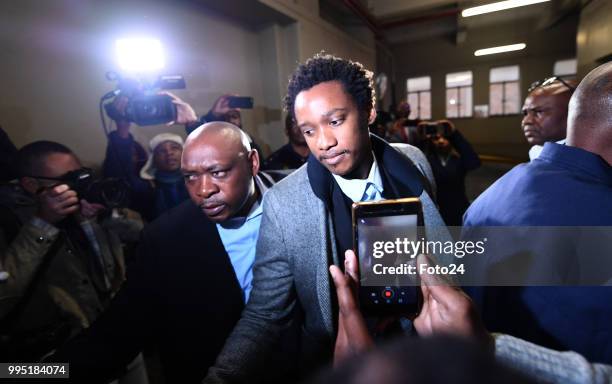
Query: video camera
{"type": "Point", "coordinates": [144, 105]}
{"type": "Point", "coordinates": [435, 129]}
{"type": "Point", "coordinates": [110, 192]}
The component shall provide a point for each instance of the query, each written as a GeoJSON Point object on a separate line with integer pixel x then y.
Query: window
{"type": "Point", "coordinates": [565, 68]}
{"type": "Point", "coordinates": [459, 94]}
{"type": "Point", "coordinates": [419, 97]}
{"type": "Point", "coordinates": [504, 91]}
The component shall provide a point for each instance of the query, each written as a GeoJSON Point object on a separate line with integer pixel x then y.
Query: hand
{"type": "Point", "coordinates": [449, 124]}
{"type": "Point", "coordinates": [221, 106]}
{"type": "Point", "coordinates": [57, 202]}
{"type": "Point", "coordinates": [447, 309]}
{"type": "Point", "coordinates": [353, 336]}
{"type": "Point", "coordinates": [184, 112]}
{"type": "Point", "coordinates": [90, 210]}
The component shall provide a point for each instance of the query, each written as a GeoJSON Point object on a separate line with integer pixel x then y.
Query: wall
{"type": "Point", "coordinates": [594, 39]}
{"type": "Point", "coordinates": [438, 56]}
{"type": "Point", "coordinates": [315, 34]}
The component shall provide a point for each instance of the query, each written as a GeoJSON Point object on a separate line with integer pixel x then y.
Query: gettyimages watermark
{"type": "Point", "coordinates": [489, 256]}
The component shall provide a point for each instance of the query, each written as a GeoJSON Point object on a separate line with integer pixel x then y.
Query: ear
{"type": "Point", "coordinates": [372, 117]}
{"type": "Point", "coordinates": [254, 160]}
{"type": "Point", "coordinates": [29, 184]}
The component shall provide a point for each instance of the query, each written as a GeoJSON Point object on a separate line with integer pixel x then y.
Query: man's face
{"type": "Point", "coordinates": [56, 165]}
{"type": "Point", "coordinates": [295, 135]}
{"type": "Point", "coordinates": [233, 117]}
{"type": "Point", "coordinates": [167, 156]}
{"type": "Point", "coordinates": [544, 117]}
{"type": "Point", "coordinates": [335, 131]}
{"type": "Point", "coordinates": [218, 176]}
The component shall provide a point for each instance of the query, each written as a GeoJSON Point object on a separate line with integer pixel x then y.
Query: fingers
{"type": "Point", "coordinates": [90, 210]}
{"type": "Point", "coordinates": [435, 286]}
{"type": "Point", "coordinates": [351, 267]}
{"type": "Point", "coordinates": [347, 300]}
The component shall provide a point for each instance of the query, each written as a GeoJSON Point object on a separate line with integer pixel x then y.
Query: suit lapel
{"type": "Point", "coordinates": [325, 255]}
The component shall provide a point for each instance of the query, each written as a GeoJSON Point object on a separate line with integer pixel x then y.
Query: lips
{"type": "Point", "coordinates": [333, 158]}
{"type": "Point", "coordinates": [530, 132]}
{"type": "Point", "coordinates": [212, 209]}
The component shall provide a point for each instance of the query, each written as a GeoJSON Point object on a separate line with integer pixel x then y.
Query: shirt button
{"type": "Point", "coordinates": [40, 239]}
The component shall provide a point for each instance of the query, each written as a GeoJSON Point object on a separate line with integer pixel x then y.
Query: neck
{"type": "Point", "coordinates": [363, 170]}
{"type": "Point", "coordinates": [300, 149]}
{"type": "Point", "coordinates": [248, 204]}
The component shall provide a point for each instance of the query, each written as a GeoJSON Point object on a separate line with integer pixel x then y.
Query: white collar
{"type": "Point", "coordinates": [354, 188]}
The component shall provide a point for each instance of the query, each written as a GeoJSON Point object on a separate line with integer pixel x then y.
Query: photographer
{"type": "Point", "coordinates": [451, 157]}
{"type": "Point", "coordinates": [155, 181]}
{"type": "Point", "coordinates": [220, 111]}
{"type": "Point", "coordinates": [64, 263]}
{"type": "Point", "coordinates": [124, 155]}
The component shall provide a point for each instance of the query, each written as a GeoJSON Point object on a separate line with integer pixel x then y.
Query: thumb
{"type": "Point", "coordinates": [436, 286]}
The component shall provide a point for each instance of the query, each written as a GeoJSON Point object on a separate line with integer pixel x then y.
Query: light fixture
{"type": "Point", "coordinates": [139, 54]}
{"type": "Point", "coordinates": [500, 49]}
{"type": "Point", "coordinates": [499, 6]}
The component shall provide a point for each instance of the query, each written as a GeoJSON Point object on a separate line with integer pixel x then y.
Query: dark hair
{"type": "Point", "coordinates": [31, 157]}
{"type": "Point", "coordinates": [355, 79]}
{"type": "Point", "coordinates": [289, 122]}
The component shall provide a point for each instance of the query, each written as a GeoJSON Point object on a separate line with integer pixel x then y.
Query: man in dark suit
{"type": "Point", "coordinates": [193, 272]}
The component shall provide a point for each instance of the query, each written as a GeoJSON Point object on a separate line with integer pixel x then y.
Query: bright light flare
{"type": "Point", "coordinates": [139, 54]}
{"type": "Point", "coordinates": [499, 6]}
{"type": "Point", "coordinates": [500, 49]}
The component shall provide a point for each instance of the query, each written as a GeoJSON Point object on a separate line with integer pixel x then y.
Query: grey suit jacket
{"type": "Point", "coordinates": [295, 248]}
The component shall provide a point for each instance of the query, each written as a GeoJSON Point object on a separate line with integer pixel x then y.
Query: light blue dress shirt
{"type": "Point", "coordinates": [369, 189]}
{"type": "Point", "coordinates": [239, 237]}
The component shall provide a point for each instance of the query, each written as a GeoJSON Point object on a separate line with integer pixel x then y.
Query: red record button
{"type": "Point", "coordinates": [387, 293]}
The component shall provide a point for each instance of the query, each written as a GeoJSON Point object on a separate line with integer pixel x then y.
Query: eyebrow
{"type": "Point", "coordinates": [326, 114]}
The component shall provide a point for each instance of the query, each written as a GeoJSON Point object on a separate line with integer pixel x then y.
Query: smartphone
{"type": "Point", "coordinates": [241, 102]}
{"type": "Point", "coordinates": [384, 237]}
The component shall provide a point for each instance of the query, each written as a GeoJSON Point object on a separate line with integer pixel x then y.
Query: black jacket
{"type": "Point", "coordinates": [181, 295]}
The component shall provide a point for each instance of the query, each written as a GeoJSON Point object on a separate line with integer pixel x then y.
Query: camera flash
{"type": "Point", "coordinates": [139, 54]}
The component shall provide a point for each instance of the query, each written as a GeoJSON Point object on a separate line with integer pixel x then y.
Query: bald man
{"type": "Point", "coordinates": [193, 274]}
{"type": "Point", "coordinates": [545, 113]}
{"type": "Point", "coordinates": [567, 185]}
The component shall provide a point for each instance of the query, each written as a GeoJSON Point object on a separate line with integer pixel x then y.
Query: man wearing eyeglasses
{"type": "Point", "coordinates": [61, 265]}
{"type": "Point", "coordinates": [545, 113]}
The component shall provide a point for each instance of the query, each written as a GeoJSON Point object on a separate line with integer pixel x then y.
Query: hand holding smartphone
{"type": "Point", "coordinates": [383, 233]}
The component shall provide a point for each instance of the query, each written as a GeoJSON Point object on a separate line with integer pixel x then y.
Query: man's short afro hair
{"type": "Point", "coordinates": [355, 79]}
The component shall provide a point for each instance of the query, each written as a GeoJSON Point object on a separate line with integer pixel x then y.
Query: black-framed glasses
{"type": "Point", "coordinates": [549, 81]}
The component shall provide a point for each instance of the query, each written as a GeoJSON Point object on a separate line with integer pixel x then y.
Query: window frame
{"type": "Point", "coordinates": [419, 93]}
{"type": "Point", "coordinates": [460, 102]}
{"type": "Point", "coordinates": [503, 93]}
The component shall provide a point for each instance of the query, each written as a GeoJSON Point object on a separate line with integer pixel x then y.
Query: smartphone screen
{"type": "Point", "coordinates": [240, 102]}
{"type": "Point", "coordinates": [385, 235]}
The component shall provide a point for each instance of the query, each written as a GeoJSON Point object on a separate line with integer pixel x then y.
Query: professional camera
{"type": "Point", "coordinates": [435, 129]}
{"type": "Point", "coordinates": [110, 192]}
{"type": "Point", "coordinates": [144, 106]}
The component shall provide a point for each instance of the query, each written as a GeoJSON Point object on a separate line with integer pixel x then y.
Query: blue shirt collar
{"type": "Point", "coordinates": [355, 188]}
{"type": "Point", "coordinates": [256, 209]}
{"type": "Point", "coordinates": [577, 160]}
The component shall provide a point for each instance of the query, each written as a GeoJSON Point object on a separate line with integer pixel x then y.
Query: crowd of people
{"type": "Point", "coordinates": [239, 269]}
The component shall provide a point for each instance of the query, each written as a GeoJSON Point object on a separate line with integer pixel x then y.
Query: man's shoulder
{"type": "Point", "coordinates": [175, 221]}
{"type": "Point", "coordinates": [294, 183]}
{"type": "Point", "coordinates": [413, 153]}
